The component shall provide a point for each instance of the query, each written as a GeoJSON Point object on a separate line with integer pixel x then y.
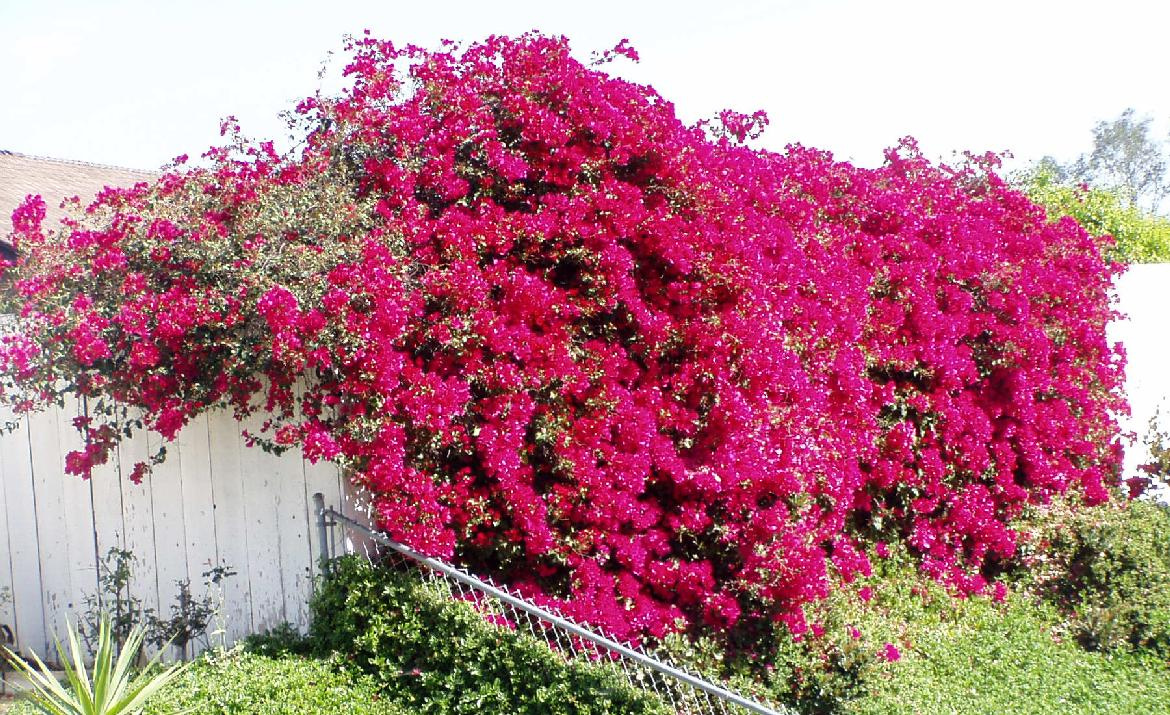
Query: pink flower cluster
{"type": "Point", "coordinates": [633, 368]}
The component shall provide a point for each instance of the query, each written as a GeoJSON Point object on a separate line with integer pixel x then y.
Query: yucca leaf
{"type": "Point", "coordinates": [120, 675]}
{"type": "Point", "coordinates": [46, 692]}
{"type": "Point", "coordinates": [75, 671]}
{"type": "Point", "coordinates": [114, 688]}
{"type": "Point", "coordinates": [143, 688]}
{"type": "Point", "coordinates": [101, 665]}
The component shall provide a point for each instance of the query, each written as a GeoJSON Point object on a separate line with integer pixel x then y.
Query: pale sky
{"type": "Point", "coordinates": [134, 83]}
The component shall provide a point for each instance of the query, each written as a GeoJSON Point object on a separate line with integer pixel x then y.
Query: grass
{"type": "Point", "coordinates": [240, 682]}
{"type": "Point", "coordinates": [1005, 660]}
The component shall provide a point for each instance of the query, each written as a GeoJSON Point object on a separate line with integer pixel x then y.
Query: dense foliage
{"type": "Point", "coordinates": [634, 368]}
{"type": "Point", "coordinates": [435, 655]}
{"type": "Point", "coordinates": [1139, 236]}
{"type": "Point", "coordinates": [1022, 650]}
{"type": "Point", "coordinates": [1107, 570]}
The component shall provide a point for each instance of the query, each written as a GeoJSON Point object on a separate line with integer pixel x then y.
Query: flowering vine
{"type": "Point", "coordinates": [633, 367]}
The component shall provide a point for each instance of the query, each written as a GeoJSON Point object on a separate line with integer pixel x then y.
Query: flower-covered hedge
{"type": "Point", "coordinates": [632, 367]}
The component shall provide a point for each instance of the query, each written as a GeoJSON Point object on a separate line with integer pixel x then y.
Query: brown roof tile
{"type": "Point", "coordinates": [55, 180]}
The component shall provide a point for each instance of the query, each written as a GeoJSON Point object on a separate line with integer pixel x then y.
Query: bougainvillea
{"type": "Point", "coordinates": [632, 367]}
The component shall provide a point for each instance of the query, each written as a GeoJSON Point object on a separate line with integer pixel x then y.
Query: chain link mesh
{"type": "Point", "coordinates": [685, 692]}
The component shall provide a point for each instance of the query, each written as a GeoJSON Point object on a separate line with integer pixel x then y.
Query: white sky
{"type": "Point", "coordinates": [136, 83]}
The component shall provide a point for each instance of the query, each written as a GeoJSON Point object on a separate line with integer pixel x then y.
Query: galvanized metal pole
{"type": "Point", "coordinates": [324, 557]}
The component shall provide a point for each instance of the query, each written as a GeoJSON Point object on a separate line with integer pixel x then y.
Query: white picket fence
{"type": "Point", "coordinates": [215, 501]}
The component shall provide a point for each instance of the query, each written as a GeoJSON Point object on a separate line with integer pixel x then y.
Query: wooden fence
{"type": "Point", "coordinates": [213, 502]}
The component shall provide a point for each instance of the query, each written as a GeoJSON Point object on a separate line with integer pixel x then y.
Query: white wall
{"type": "Point", "coordinates": [1143, 294]}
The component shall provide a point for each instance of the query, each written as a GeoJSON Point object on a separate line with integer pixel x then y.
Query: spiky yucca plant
{"type": "Point", "coordinates": [115, 687]}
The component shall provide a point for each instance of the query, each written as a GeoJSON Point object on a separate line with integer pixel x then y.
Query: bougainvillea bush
{"type": "Point", "coordinates": [633, 367]}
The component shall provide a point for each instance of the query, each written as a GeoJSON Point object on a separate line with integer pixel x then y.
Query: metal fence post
{"type": "Point", "coordinates": [324, 555]}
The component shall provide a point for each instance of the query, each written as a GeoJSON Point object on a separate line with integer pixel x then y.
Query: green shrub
{"type": "Point", "coordinates": [438, 656]}
{"type": "Point", "coordinates": [1141, 236]}
{"type": "Point", "coordinates": [1107, 570]}
{"type": "Point", "coordinates": [240, 682]}
{"type": "Point", "coordinates": [845, 648]}
{"type": "Point", "coordinates": [278, 642]}
{"type": "Point", "coordinates": [972, 655]}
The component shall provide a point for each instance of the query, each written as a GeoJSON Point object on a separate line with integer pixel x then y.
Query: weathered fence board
{"type": "Point", "coordinates": [231, 534]}
{"type": "Point", "coordinates": [52, 523]}
{"type": "Point", "coordinates": [170, 531]}
{"type": "Point", "coordinates": [7, 558]}
{"type": "Point", "coordinates": [261, 509]}
{"type": "Point", "coordinates": [213, 502]}
{"type": "Point", "coordinates": [138, 521]}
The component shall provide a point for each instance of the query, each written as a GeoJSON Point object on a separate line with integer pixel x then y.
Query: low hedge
{"type": "Point", "coordinates": [906, 645]}
{"type": "Point", "coordinates": [438, 656]}
{"type": "Point", "coordinates": [1106, 570]}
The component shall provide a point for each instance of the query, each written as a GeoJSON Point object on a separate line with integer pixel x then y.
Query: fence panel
{"type": "Point", "coordinates": [211, 503]}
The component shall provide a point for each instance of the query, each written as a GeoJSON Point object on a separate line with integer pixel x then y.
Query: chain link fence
{"type": "Point", "coordinates": [685, 692]}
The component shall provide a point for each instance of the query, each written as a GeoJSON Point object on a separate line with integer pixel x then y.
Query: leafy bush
{"type": "Point", "coordinates": [854, 639]}
{"type": "Point", "coordinates": [633, 368]}
{"type": "Point", "coordinates": [113, 601]}
{"type": "Point", "coordinates": [905, 645]}
{"type": "Point", "coordinates": [437, 656]}
{"type": "Point", "coordinates": [1107, 570]}
{"type": "Point", "coordinates": [190, 617]}
{"type": "Point", "coordinates": [1139, 236]}
{"type": "Point", "coordinates": [280, 641]}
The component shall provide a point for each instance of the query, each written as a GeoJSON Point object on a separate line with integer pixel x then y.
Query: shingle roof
{"type": "Point", "coordinates": [55, 180]}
